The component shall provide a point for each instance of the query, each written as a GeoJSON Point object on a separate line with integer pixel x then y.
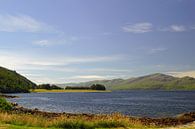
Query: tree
{"type": "Point", "coordinates": [48, 86]}
{"type": "Point", "coordinates": [98, 87]}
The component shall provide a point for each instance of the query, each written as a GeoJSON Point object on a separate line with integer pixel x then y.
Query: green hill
{"type": "Point", "coordinates": [12, 82]}
{"type": "Point", "coordinates": [154, 81]}
{"type": "Point", "coordinates": [157, 81]}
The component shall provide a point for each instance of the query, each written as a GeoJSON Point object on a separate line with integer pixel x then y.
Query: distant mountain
{"type": "Point", "coordinates": [156, 81]}
{"type": "Point", "coordinates": [12, 82]}
{"type": "Point", "coordinates": [104, 82]}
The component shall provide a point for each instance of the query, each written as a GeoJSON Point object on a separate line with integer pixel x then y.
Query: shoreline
{"type": "Point", "coordinates": [68, 91]}
{"type": "Point", "coordinates": [180, 119]}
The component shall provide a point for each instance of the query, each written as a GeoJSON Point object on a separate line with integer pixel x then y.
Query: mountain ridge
{"type": "Point", "coordinates": [157, 81]}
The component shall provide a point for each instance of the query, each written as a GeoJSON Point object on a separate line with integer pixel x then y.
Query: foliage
{"type": "Point", "coordinates": [98, 87]}
{"type": "Point", "coordinates": [93, 87]}
{"type": "Point", "coordinates": [4, 105]}
{"type": "Point", "coordinates": [48, 87]}
{"type": "Point", "coordinates": [12, 82]}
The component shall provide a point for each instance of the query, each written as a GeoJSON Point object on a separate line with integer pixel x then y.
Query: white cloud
{"type": "Point", "coordinates": [32, 66]}
{"type": "Point", "coordinates": [45, 79]}
{"type": "Point", "coordinates": [152, 50]}
{"type": "Point", "coordinates": [89, 77]}
{"type": "Point", "coordinates": [182, 74]}
{"type": "Point", "coordinates": [46, 43]}
{"type": "Point", "coordinates": [16, 61]}
{"type": "Point", "coordinates": [174, 28]}
{"type": "Point", "coordinates": [138, 28]}
{"type": "Point", "coordinates": [39, 68]}
{"type": "Point", "coordinates": [59, 40]}
{"type": "Point", "coordinates": [157, 50]}
{"type": "Point", "coordinates": [84, 78]}
{"type": "Point", "coordinates": [177, 28]}
{"type": "Point", "coordinates": [90, 74]}
{"type": "Point", "coordinates": [148, 27]}
{"type": "Point", "coordinates": [42, 43]}
{"type": "Point", "coordinates": [61, 80]}
{"type": "Point", "coordinates": [22, 23]}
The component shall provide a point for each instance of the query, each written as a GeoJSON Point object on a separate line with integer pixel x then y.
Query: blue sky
{"type": "Point", "coordinates": [57, 41]}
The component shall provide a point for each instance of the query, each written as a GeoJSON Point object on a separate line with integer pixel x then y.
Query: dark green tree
{"type": "Point", "coordinates": [98, 87]}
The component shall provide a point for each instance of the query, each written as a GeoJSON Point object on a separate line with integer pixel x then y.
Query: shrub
{"type": "Point", "coordinates": [4, 105]}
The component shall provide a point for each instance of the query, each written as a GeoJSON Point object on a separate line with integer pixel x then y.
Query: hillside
{"type": "Point", "coordinates": [154, 81]}
{"type": "Point", "coordinates": [12, 82]}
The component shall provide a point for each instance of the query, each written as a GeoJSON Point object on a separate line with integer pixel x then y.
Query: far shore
{"type": "Point", "coordinates": [63, 90]}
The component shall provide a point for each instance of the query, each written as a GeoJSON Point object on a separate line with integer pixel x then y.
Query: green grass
{"type": "Point", "coordinates": [14, 120]}
{"type": "Point", "coordinates": [10, 126]}
{"type": "Point", "coordinates": [70, 122]}
{"type": "Point", "coordinates": [115, 121]}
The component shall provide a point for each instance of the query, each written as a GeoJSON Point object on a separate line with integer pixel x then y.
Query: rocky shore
{"type": "Point", "coordinates": [8, 96]}
{"type": "Point", "coordinates": [167, 121]}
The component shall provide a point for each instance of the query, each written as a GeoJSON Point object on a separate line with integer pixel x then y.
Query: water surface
{"type": "Point", "coordinates": [134, 103]}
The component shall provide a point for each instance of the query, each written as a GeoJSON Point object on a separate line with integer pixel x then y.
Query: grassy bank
{"type": "Point", "coordinates": [115, 121]}
{"type": "Point", "coordinates": [45, 90]}
{"type": "Point", "coordinates": [69, 122]}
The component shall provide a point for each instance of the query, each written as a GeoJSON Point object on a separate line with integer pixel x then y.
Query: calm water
{"type": "Point", "coordinates": [135, 103]}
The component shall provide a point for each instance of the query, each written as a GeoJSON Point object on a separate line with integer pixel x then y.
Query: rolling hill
{"type": "Point", "coordinates": [12, 82]}
{"type": "Point", "coordinates": [156, 81]}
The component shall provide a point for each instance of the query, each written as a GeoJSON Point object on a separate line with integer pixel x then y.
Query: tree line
{"type": "Point", "coordinates": [93, 87]}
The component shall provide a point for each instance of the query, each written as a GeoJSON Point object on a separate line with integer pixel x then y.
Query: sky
{"type": "Point", "coordinates": [58, 41]}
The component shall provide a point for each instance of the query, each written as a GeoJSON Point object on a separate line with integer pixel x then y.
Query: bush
{"type": "Point", "coordinates": [4, 105]}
